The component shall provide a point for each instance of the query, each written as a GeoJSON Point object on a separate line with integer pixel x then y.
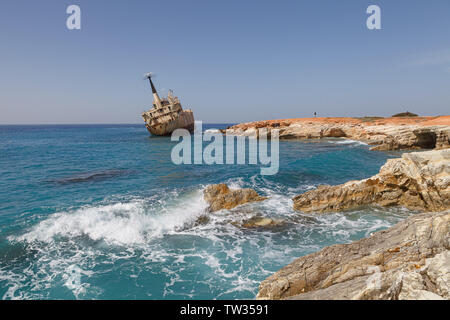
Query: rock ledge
{"type": "Point", "coordinates": [411, 260]}
{"type": "Point", "coordinates": [418, 181]}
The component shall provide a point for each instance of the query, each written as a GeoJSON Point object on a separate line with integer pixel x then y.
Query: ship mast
{"type": "Point", "coordinates": [156, 99]}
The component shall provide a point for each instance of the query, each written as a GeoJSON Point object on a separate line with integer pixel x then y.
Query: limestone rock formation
{"type": "Point", "coordinates": [383, 134]}
{"type": "Point", "coordinates": [417, 181]}
{"type": "Point", "coordinates": [411, 260]}
{"type": "Point", "coordinates": [219, 197]}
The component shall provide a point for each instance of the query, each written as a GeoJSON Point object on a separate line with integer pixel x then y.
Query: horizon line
{"type": "Point", "coordinates": [89, 124]}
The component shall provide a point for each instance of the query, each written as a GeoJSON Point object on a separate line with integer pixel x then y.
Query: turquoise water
{"type": "Point", "coordinates": [100, 212]}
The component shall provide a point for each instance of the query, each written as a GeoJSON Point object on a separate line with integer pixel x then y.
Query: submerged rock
{"type": "Point", "coordinates": [219, 197]}
{"type": "Point", "coordinates": [417, 181]}
{"type": "Point", "coordinates": [411, 260]}
{"type": "Point", "coordinates": [261, 222]}
{"type": "Point", "coordinates": [94, 176]}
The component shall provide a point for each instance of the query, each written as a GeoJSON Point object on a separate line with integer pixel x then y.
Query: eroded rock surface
{"type": "Point", "coordinates": [219, 197]}
{"type": "Point", "coordinates": [411, 260]}
{"type": "Point", "coordinates": [417, 180]}
{"type": "Point", "coordinates": [383, 134]}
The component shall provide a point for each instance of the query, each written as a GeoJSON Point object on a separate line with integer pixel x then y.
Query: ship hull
{"type": "Point", "coordinates": [185, 120]}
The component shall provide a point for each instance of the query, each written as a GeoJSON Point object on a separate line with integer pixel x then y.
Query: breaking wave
{"type": "Point", "coordinates": [129, 223]}
{"type": "Point", "coordinates": [158, 244]}
{"type": "Point", "coordinates": [140, 229]}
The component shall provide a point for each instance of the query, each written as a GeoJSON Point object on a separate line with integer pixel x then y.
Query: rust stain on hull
{"type": "Point", "coordinates": [184, 121]}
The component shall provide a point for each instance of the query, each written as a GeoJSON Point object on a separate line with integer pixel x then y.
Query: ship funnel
{"type": "Point", "coordinates": [156, 99]}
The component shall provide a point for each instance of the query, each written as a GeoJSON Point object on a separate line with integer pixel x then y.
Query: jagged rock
{"type": "Point", "coordinates": [411, 260]}
{"type": "Point", "coordinates": [418, 181]}
{"type": "Point", "coordinates": [219, 197]}
{"type": "Point", "coordinates": [383, 134]}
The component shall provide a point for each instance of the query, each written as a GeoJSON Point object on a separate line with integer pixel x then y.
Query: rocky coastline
{"type": "Point", "coordinates": [381, 134]}
{"type": "Point", "coordinates": [410, 260]}
{"type": "Point", "coordinates": [417, 181]}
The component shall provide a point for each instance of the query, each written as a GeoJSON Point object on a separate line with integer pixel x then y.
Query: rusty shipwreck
{"type": "Point", "coordinates": [166, 115]}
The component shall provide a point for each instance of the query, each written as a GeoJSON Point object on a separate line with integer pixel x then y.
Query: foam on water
{"type": "Point", "coordinates": [120, 223]}
{"type": "Point", "coordinates": [138, 236]}
{"type": "Point", "coordinates": [348, 141]}
{"type": "Point", "coordinates": [212, 131]}
{"type": "Point", "coordinates": [159, 235]}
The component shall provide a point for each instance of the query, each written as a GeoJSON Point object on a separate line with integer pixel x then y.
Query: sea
{"type": "Point", "coordinates": [102, 212]}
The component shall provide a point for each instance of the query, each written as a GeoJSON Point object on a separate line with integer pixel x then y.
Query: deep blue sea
{"type": "Point", "coordinates": [101, 212]}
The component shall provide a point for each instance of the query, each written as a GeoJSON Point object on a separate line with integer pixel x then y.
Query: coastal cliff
{"type": "Point", "coordinates": [408, 261]}
{"type": "Point", "coordinates": [383, 134]}
{"type": "Point", "coordinates": [418, 181]}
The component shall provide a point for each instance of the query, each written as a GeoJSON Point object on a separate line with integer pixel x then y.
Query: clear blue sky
{"type": "Point", "coordinates": [231, 61]}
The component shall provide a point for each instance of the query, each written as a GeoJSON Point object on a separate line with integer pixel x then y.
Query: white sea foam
{"type": "Point", "coordinates": [119, 223]}
{"type": "Point", "coordinates": [15, 282]}
{"type": "Point", "coordinates": [72, 278]}
{"type": "Point", "coordinates": [348, 141]}
{"type": "Point", "coordinates": [212, 131]}
{"type": "Point", "coordinates": [158, 237]}
{"type": "Point", "coordinates": [235, 183]}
